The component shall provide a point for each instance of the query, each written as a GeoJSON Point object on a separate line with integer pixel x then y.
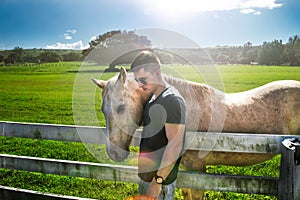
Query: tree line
{"type": "Point", "coordinates": [269, 53]}
{"type": "Point", "coordinates": [119, 47]}
{"type": "Point", "coordinates": [20, 55]}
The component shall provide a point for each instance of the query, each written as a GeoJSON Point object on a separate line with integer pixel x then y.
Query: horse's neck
{"type": "Point", "coordinates": [190, 91]}
{"type": "Point", "coordinates": [188, 88]}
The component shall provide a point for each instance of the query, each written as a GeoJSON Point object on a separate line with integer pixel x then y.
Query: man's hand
{"type": "Point", "coordinates": [154, 189]}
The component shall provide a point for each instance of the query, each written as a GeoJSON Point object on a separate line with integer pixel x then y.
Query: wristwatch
{"type": "Point", "coordinates": [159, 179]}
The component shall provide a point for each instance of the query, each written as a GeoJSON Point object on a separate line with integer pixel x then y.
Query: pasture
{"type": "Point", "coordinates": [43, 94]}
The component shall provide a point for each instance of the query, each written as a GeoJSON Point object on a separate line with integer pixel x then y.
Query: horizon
{"type": "Point", "coordinates": [218, 46]}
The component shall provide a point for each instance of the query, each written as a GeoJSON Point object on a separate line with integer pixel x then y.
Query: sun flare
{"type": "Point", "coordinates": [175, 9]}
{"type": "Point", "coordinates": [187, 8]}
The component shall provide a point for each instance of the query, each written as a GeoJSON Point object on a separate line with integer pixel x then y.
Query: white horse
{"type": "Point", "coordinates": [273, 108]}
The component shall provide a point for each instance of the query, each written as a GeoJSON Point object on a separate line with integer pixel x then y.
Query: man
{"type": "Point", "coordinates": [163, 129]}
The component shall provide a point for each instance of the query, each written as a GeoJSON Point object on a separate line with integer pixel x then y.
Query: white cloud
{"type": "Point", "coordinates": [265, 4]}
{"type": "Point", "coordinates": [93, 38]}
{"type": "Point", "coordinates": [68, 37]}
{"type": "Point", "coordinates": [247, 11]}
{"type": "Point", "coordinates": [73, 31]}
{"type": "Point", "coordinates": [69, 33]}
{"type": "Point", "coordinates": [250, 11]}
{"type": "Point", "coordinates": [257, 13]}
{"type": "Point", "coordinates": [75, 45]}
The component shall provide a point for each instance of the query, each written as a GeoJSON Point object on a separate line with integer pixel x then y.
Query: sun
{"type": "Point", "coordinates": [180, 8]}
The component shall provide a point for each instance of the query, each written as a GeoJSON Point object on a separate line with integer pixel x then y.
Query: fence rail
{"type": "Point", "coordinates": [287, 186]}
{"type": "Point", "coordinates": [9, 193]}
{"type": "Point", "coordinates": [225, 142]}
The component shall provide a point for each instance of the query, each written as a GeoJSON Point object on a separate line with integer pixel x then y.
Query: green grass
{"type": "Point", "coordinates": [241, 77]}
{"type": "Point", "coordinates": [37, 93]}
{"type": "Point", "coordinates": [235, 78]}
{"type": "Point", "coordinates": [44, 94]}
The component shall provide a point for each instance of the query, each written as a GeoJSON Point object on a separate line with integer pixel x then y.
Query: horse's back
{"type": "Point", "coordinates": [272, 108]}
{"type": "Point", "coordinates": [291, 104]}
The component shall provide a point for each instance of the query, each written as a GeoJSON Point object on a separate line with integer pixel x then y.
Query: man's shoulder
{"type": "Point", "coordinates": [172, 93]}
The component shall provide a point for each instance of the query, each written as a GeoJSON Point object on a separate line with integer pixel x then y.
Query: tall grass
{"type": "Point", "coordinates": [43, 94]}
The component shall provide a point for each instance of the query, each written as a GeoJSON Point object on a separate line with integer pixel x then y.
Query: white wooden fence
{"type": "Point", "coordinates": [286, 187]}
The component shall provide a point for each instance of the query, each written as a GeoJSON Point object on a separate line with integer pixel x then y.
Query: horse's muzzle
{"type": "Point", "coordinates": [116, 153]}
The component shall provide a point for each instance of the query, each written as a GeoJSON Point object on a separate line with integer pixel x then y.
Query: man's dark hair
{"type": "Point", "coordinates": [147, 60]}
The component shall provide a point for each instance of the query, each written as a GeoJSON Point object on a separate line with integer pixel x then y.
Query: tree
{"type": "Point", "coordinates": [1, 58]}
{"type": "Point", "coordinates": [108, 47]}
{"type": "Point", "coordinates": [271, 53]}
{"type": "Point", "coordinates": [12, 58]}
{"type": "Point", "coordinates": [249, 53]}
{"type": "Point", "coordinates": [221, 58]}
{"type": "Point", "coordinates": [292, 51]}
{"type": "Point", "coordinates": [15, 56]}
{"type": "Point", "coordinates": [72, 56]}
{"type": "Point", "coordinates": [49, 56]}
{"type": "Point", "coordinates": [31, 58]}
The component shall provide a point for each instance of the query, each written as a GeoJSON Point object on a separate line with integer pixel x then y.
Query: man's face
{"type": "Point", "coordinates": [146, 80]}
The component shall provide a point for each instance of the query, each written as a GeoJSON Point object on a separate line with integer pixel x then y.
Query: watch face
{"type": "Point", "coordinates": [159, 180]}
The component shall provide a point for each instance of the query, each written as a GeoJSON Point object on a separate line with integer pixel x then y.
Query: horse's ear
{"type": "Point", "coordinates": [122, 75]}
{"type": "Point", "coordinates": [99, 83]}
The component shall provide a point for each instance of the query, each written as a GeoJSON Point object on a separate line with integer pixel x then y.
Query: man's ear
{"type": "Point", "coordinates": [100, 83]}
{"type": "Point", "coordinates": [123, 75]}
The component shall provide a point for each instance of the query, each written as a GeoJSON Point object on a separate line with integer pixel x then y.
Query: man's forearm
{"type": "Point", "coordinates": [170, 156]}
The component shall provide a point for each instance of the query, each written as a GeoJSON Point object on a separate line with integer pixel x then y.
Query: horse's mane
{"type": "Point", "coordinates": [186, 87]}
{"type": "Point", "coordinates": [180, 84]}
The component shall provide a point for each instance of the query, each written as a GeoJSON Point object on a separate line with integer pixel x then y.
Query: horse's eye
{"type": "Point", "coordinates": [121, 108]}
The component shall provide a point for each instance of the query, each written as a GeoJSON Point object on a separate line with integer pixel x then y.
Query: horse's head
{"type": "Point", "coordinates": [122, 105]}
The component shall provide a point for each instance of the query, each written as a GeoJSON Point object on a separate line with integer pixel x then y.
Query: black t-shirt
{"type": "Point", "coordinates": [168, 107]}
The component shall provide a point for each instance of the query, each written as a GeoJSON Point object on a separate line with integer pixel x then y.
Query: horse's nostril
{"type": "Point", "coordinates": [113, 154]}
{"type": "Point", "coordinates": [117, 154]}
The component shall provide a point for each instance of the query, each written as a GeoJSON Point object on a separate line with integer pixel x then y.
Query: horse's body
{"type": "Point", "coordinates": [270, 109]}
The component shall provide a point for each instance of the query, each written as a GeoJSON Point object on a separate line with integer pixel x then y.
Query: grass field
{"type": "Point", "coordinates": [45, 94]}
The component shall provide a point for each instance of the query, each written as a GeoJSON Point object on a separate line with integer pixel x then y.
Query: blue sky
{"type": "Point", "coordinates": [73, 23]}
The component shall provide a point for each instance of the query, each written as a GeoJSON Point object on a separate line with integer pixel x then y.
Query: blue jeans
{"type": "Point", "coordinates": [167, 192]}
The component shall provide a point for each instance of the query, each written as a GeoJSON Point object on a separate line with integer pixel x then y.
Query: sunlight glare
{"type": "Point", "coordinates": [185, 8]}
{"type": "Point", "coordinates": [175, 9]}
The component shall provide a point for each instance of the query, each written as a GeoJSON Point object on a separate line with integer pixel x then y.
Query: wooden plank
{"type": "Point", "coordinates": [228, 183]}
{"type": "Point", "coordinates": [69, 168]}
{"type": "Point", "coordinates": [243, 184]}
{"type": "Point", "coordinates": [9, 193]}
{"type": "Point", "coordinates": [57, 132]}
{"type": "Point", "coordinates": [205, 141]}
{"type": "Point", "coordinates": [234, 142]}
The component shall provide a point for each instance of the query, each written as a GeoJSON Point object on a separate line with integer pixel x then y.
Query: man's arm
{"type": "Point", "coordinates": [175, 135]}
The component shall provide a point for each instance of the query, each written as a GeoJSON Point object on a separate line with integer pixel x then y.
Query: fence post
{"type": "Point", "coordinates": [289, 178]}
{"type": "Point", "coordinates": [297, 178]}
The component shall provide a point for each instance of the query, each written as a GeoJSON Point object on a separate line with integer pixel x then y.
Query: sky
{"type": "Point", "coordinates": [71, 24]}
